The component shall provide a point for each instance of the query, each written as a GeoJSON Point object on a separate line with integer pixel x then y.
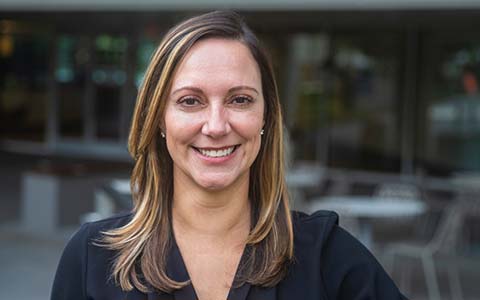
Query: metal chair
{"type": "Point", "coordinates": [444, 242]}
{"type": "Point", "coordinates": [397, 191]}
{"type": "Point", "coordinates": [403, 191]}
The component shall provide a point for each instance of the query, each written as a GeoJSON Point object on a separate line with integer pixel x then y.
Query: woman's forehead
{"type": "Point", "coordinates": [218, 60]}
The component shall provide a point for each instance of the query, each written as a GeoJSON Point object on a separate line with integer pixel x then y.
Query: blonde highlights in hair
{"type": "Point", "coordinates": [143, 244]}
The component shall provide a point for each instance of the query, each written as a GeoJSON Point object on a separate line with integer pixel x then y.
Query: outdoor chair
{"type": "Point", "coordinates": [444, 242]}
{"type": "Point", "coordinates": [397, 191]}
{"type": "Point", "coordinates": [402, 191]}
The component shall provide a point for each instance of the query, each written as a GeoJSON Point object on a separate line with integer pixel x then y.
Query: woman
{"type": "Point", "coordinates": [211, 219]}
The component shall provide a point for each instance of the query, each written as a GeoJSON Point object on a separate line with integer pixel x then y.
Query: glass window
{"type": "Point", "coordinates": [71, 71]}
{"type": "Point", "coordinates": [146, 47]}
{"type": "Point", "coordinates": [109, 77]}
{"type": "Point", "coordinates": [24, 51]}
{"type": "Point", "coordinates": [450, 105]}
{"type": "Point", "coordinates": [346, 114]}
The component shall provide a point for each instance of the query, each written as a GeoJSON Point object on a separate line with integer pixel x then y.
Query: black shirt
{"type": "Point", "coordinates": [329, 264]}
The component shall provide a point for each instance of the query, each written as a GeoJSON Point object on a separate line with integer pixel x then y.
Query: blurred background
{"type": "Point", "coordinates": [381, 103]}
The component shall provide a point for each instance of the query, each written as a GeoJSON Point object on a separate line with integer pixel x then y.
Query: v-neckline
{"type": "Point", "coordinates": [177, 270]}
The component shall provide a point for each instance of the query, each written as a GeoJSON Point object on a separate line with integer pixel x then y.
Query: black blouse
{"type": "Point", "coordinates": [329, 264]}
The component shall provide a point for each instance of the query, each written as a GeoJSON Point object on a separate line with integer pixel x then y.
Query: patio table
{"type": "Point", "coordinates": [367, 208]}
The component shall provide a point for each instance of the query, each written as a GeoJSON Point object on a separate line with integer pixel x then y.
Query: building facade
{"type": "Point", "coordinates": [375, 85]}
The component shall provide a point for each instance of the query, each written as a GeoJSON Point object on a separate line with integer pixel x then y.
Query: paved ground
{"type": "Point", "coordinates": [28, 264]}
{"type": "Point", "coordinates": [27, 261]}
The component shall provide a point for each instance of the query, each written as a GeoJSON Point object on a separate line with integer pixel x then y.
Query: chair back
{"type": "Point", "coordinates": [445, 238]}
{"type": "Point", "coordinates": [397, 191]}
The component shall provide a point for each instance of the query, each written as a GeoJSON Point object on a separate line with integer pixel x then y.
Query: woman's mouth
{"type": "Point", "coordinates": [216, 152]}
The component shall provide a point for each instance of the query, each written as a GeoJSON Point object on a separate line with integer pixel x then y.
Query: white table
{"type": "Point", "coordinates": [366, 208]}
{"type": "Point", "coordinates": [303, 176]}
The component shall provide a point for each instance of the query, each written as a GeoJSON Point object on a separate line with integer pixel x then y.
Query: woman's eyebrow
{"type": "Point", "coordinates": [189, 88]}
{"type": "Point", "coordinates": [243, 87]}
{"type": "Point", "coordinates": [231, 90]}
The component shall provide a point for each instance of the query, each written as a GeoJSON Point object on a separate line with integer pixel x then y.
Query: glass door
{"type": "Point", "coordinates": [24, 77]}
{"type": "Point", "coordinates": [90, 79]}
{"type": "Point", "coordinates": [71, 79]}
{"type": "Point", "coordinates": [109, 79]}
{"type": "Point", "coordinates": [449, 118]}
{"type": "Point", "coordinates": [346, 113]}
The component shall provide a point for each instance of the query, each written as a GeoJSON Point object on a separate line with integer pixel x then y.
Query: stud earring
{"type": "Point", "coordinates": [162, 134]}
{"type": "Point", "coordinates": [262, 132]}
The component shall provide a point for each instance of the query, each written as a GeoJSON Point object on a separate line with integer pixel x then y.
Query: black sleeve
{"type": "Point", "coordinates": [352, 273]}
{"type": "Point", "coordinates": [70, 279]}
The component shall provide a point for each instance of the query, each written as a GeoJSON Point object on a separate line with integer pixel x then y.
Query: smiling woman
{"type": "Point", "coordinates": [214, 116]}
{"type": "Point", "coordinates": [211, 219]}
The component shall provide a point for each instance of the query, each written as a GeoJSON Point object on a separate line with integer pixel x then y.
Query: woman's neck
{"type": "Point", "coordinates": [211, 214]}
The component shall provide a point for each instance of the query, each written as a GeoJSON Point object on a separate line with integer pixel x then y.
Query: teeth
{"type": "Point", "coordinates": [217, 153]}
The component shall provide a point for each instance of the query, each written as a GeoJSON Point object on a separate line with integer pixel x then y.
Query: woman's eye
{"type": "Point", "coordinates": [242, 100]}
{"type": "Point", "coordinates": [189, 101]}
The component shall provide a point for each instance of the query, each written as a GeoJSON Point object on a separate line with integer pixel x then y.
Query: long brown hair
{"type": "Point", "coordinates": [143, 244]}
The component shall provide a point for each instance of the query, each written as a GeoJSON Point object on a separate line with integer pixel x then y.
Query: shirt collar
{"type": "Point", "coordinates": [177, 271]}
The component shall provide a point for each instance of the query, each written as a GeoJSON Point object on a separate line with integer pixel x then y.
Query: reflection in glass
{"type": "Point", "coordinates": [109, 55]}
{"type": "Point", "coordinates": [109, 76]}
{"type": "Point", "coordinates": [450, 124]}
{"type": "Point", "coordinates": [107, 111]}
{"type": "Point", "coordinates": [346, 113]}
{"type": "Point", "coordinates": [23, 81]}
{"type": "Point", "coordinates": [71, 74]}
{"type": "Point", "coordinates": [146, 47]}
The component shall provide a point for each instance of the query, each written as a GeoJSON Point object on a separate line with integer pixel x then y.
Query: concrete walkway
{"type": "Point", "coordinates": [27, 263]}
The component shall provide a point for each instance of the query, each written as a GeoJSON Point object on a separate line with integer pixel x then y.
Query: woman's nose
{"type": "Point", "coordinates": [217, 123]}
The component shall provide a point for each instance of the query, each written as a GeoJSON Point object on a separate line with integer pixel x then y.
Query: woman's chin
{"type": "Point", "coordinates": [217, 182]}
{"type": "Point", "coordinates": [214, 185]}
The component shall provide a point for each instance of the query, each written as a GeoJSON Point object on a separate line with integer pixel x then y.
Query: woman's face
{"type": "Point", "coordinates": [214, 114]}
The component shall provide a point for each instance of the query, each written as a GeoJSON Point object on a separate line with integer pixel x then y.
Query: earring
{"type": "Point", "coordinates": [262, 132]}
{"type": "Point", "coordinates": [162, 134]}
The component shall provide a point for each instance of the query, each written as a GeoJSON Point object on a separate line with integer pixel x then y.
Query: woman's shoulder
{"type": "Point", "coordinates": [96, 228]}
{"type": "Point", "coordinates": [347, 268]}
{"type": "Point", "coordinates": [317, 216]}
{"type": "Point", "coordinates": [318, 236]}
{"type": "Point", "coordinates": [73, 272]}
{"type": "Point", "coordinates": [320, 232]}
{"type": "Point", "coordinates": [317, 226]}
{"type": "Point", "coordinates": [91, 233]}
